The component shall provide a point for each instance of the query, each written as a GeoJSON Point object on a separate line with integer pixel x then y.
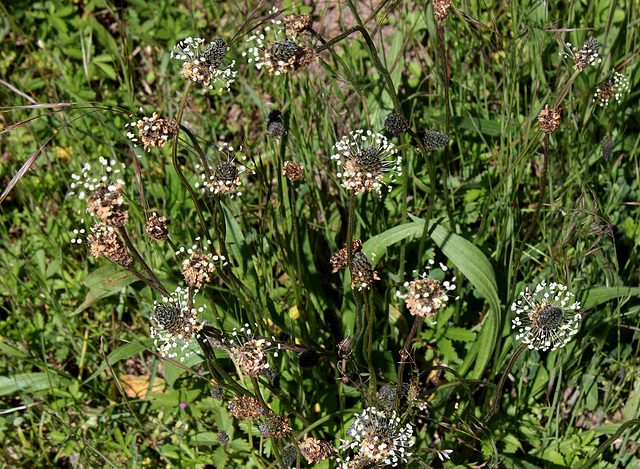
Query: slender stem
{"type": "Point", "coordinates": [405, 353]}
{"type": "Point", "coordinates": [368, 307]}
{"type": "Point", "coordinates": [432, 193]}
{"type": "Point", "coordinates": [503, 379]}
{"type": "Point", "coordinates": [147, 281]}
{"type": "Point", "coordinates": [543, 187]}
{"type": "Point", "coordinates": [590, 462]}
{"type": "Point", "coordinates": [350, 223]}
{"type": "Point", "coordinates": [445, 78]}
{"type": "Point", "coordinates": [203, 158]}
{"type": "Point", "coordinates": [374, 56]}
{"type": "Point", "coordinates": [134, 252]}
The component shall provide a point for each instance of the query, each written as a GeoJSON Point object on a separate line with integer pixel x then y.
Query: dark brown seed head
{"type": "Point", "coordinates": [396, 124]}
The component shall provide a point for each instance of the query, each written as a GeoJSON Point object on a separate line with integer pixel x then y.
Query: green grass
{"type": "Point", "coordinates": [75, 332]}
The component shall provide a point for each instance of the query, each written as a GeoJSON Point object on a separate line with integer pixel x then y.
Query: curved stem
{"type": "Point", "coordinates": [503, 379]}
{"type": "Point", "coordinates": [607, 443]}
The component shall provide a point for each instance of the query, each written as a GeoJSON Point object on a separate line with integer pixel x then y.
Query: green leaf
{"type": "Point", "coordinates": [121, 353]}
{"type": "Point", "coordinates": [460, 334]}
{"type": "Point", "coordinates": [472, 262]}
{"type": "Point", "coordinates": [596, 296]}
{"type": "Point", "coordinates": [28, 382]}
{"type": "Point", "coordinates": [105, 281]}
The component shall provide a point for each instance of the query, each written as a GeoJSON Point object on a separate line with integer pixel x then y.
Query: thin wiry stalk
{"type": "Point", "coordinates": [498, 395]}
{"type": "Point", "coordinates": [134, 252]}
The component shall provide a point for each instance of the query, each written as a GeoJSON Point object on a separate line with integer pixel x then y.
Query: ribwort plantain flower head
{"type": "Point", "coordinates": [103, 194]}
{"type": "Point", "coordinates": [277, 50]}
{"type": "Point", "coordinates": [104, 241]}
{"type": "Point", "coordinates": [203, 64]}
{"type": "Point", "coordinates": [607, 144]}
{"type": "Point", "coordinates": [587, 55]}
{"type": "Point", "coordinates": [157, 227]}
{"type": "Point", "coordinates": [197, 269]}
{"type": "Point", "coordinates": [547, 317]}
{"type": "Point", "coordinates": [245, 407]}
{"type": "Point", "coordinates": [379, 440]}
{"type": "Point", "coordinates": [175, 324]}
{"type": "Point", "coordinates": [433, 140]}
{"type": "Point", "coordinates": [368, 161]}
{"type": "Point", "coordinates": [426, 296]}
{"type": "Point", "coordinates": [613, 88]}
{"type": "Point", "coordinates": [549, 119]}
{"type": "Point", "coordinates": [316, 451]}
{"type": "Point", "coordinates": [249, 353]}
{"type": "Point", "coordinates": [152, 131]}
{"type": "Point", "coordinates": [223, 178]}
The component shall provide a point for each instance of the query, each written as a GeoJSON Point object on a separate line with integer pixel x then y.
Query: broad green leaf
{"type": "Point", "coordinates": [104, 281]}
{"type": "Point", "coordinates": [28, 382]}
{"type": "Point", "coordinates": [596, 296]}
{"type": "Point", "coordinates": [475, 266]}
{"type": "Point", "coordinates": [460, 334]}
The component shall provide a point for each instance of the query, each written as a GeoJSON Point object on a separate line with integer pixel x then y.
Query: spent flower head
{"type": "Point", "coordinates": [175, 324]}
{"type": "Point", "coordinates": [153, 131]}
{"type": "Point", "coordinates": [368, 160]}
{"type": "Point", "coordinates": [277, 50]}
{"type": "Point", "coordinates": [547, 317]}
{"type": "Point", "coordinates": [103, 194]}
{"type": "Point", "coordinates": [249, 353]}
{"type": "Point", "coordinates": [203, 64]}
{"type": "Point", "coordinates": [197, 269]}
{"type": "Point", "coordinates": [245, 407]}
{"type": "Point", "coordinates": [316, 451]}
{"type": "Point", "coordinates": [611, 89]}
{"type": "Point", "coordinates": [549, 119]}
{"type": "Point", "coordinates": [157, 227]}
{"type": "Point", "coordinates": [379, 439]}
{"type": "Point", "coordinates": [426, 296]}
{"type": "Point", "coordinates": [104, 241]}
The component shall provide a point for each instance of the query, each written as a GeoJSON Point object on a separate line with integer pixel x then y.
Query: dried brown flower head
{"type": "Point", "coordinates": [197, 269]}
{"type": "Point", "coordinates": [275, 426]}
{"type": "Point", "coordinates": [295, 25]}
{"type": "Point", "coordinates": [425, 295]}
{"type": "Point", "coordinates": [441, 9]}
{"type": "Point", "coordinates": [396, 124]}
{"type": "Point", "coordinates": [315, 450]}
{"type": "Point", "coordinates": [549, 119]}
{"type": "Point", "coordinates": [251, 357]}
{"type": "Point", "coordinates": [362, 274]}
{"type": "Point", "coordinates": [292, 170]}
{"type": "Point", "coordinates": [339, 259]}
{"type": "Point", "coordinates": [245, 407]}
{"type": "Point", "coordinates": [157, 227]}
{"type": "Point", "coordinates": [153, 131]}
{"type": "Point", "coordinates": [286, 55]}
{"type": "Point", "coordinates": [275, 125]}
{"type": "Point", "coordinates": [104, 241]}
{"type": "Point", "coordinates": [105, 202]}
